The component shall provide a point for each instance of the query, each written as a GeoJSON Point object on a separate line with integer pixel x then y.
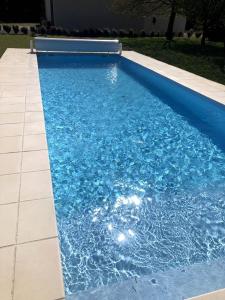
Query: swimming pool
{"type": "Point", "coordinates": [138, 169]}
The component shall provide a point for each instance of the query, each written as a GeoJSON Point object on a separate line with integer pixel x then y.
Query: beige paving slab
{"type": "Point", "coordinates": [8, 221]}
{"type": "Point", "coordinates": [34, 142]}
{"type": "Point", "coordinates": [6, 272]}
{"type": "Point", "coordinates": [34, 107]}
{"type": "Point", "coordinates": [12, 108]}
{"type": "Point", "coordinates": [12, 100]}
{"type": "Point", "coordinates": [35, 161]}
{"type": "Point", "coordinates": [34, 128]}
{"type": "Point", "coordinates": [14, 90]}
{"type": "Point", "coordinates": [10, 163]}
{"type": "Point", "coordinates": [217, 295]}
{"type": "Point", "coordinates": [36, 220]}
{"type": "Point", "coordinates": [36, 185]}
{"type": "Point", "coordinates": [9, 188]}
{"type": "Point", "coordinates": [33, 99]}
{"type": "Point", "coordinates": [8, 78]}
{"type": "Point", "coordinates": [11, 118]}
{"type": "Point", "coordinates": [34, 117]}
{"type": "Point", "coordinates": [33, 91]}
{"type": "Point", "coordinates": [11, 129]}
{"type": "Point", "coordinates": [38, 264]}
{"type": "Point", "coordinates": [11, 144]}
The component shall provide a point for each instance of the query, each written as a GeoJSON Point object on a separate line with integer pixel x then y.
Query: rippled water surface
{"type": "Point", "coordinates": [138, 188]}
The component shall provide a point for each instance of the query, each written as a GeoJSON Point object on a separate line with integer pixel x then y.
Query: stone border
{"type": "Point", "coordinates": [30, 266]}
{"type": "Point", "coordinates": [208, 88]}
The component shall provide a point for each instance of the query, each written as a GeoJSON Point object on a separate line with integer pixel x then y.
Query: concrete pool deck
{"type": "Point", "coordinates": [30, 266]}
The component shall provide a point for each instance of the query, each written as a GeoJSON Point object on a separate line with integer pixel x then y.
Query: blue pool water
{"type": "Point", "coordinates": [138, 168]}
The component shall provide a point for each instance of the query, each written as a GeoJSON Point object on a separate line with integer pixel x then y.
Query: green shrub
{"type": "Point", "coordinates": [7, 28]}
{"type": "Point", "coordinates": [123, 33]}
{"type": "Point", "coordinates": [198, 34]}
{"type": "Point", "coordinates": [43, 30]}
{"type": "Point", "coordinates": [24, 30]}
{"type": "Point", "coordinates": [15, 29]}
{"type": "Point", "coordinates": [152, 34]}
{"type": "Point", "coordinates": [33, 29]}
{"type": "Point", "coordinates": [143, 33]}
{"type": "Point", "coordinates": [115, 32]}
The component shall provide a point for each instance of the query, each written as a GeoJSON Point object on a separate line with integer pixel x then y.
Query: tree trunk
{"type": "Point", "coordinates": [169, 32]}
{"type": "Point", "coordinates": [224, 55]}
{"type": "Point", "coordinates": [203, 36]}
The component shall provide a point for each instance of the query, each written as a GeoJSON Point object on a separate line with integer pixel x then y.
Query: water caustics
{"type": "Point", "coordinates": [138, 187]}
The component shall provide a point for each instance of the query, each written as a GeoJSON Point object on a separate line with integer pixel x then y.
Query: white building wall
{"type": "Point", "coordinates": [85, 14]}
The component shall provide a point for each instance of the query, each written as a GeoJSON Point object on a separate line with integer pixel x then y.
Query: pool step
{"type": "Point", "coordinates": [174, 284]}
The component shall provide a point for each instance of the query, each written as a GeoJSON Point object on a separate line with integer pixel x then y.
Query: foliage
{"type": "Point", "coordinates": [43, 30]}
{"type": "Point", "coordinates": [21, 11]}
{"type": "Point", "coordinates": [33, 29]}
{"type": "Point", "coordinates": [216, 33]}
{"type": "Point", "coordinates": [205, 15]}
{"type": "Point", "coordinates": [7, 28]}
{"type": "Point", "coordinates": [24, 30]}
{"type": "Point", "coordinates": [15, 29]}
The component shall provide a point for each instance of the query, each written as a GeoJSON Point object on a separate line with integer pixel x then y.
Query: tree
{"type": "Point", "coordinates": [205, 14]}
{"type": "Point", "coordinates": [146, 7]}
{"type": "Point", "coordinates": [21, 11]}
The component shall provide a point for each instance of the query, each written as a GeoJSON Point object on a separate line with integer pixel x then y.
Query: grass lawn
{"type": "Point", "coordinates": [14, 41]}
{"type": "Point", "coordinates": [184, 53]}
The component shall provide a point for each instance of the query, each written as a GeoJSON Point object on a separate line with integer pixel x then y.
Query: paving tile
{"type": "Point", "coordinates": [34, 107]}
{"type": "Point", "coordinates": [34, 128]}
{"type": "Point", "coordinates": [9, 188]}
{"type": "Point", "coordinates": [33, 99]}
{"type": "Point", "coordinates": [36, 220]}
{"type": "Point", "coordinates": [10, 118]}
{"type": "Point", "coordinates": [14, 90]}
{"type": "Point", "coordinates": [11, 129]}
{"type": "Point", "coordinates": [8, 221]}
{"type": "Point", "coordinates": [34, 117]}
{"type": "Point", "coordinates": [12, 108]}
{"type": "Point", "coordinates": [35, 161]}
{"type": "Point", "coordinates": [12, 100]}
{"type": "Point", "coordinates": [34, 142]}
{"type": "Point", "coordinates": [36, 185]}
{"type": "Point", "coordinates": [10, 163]}
{"type": "Point", "coordinates": [33, 92]}
{"type": "Point", "coordinates": [11, 144]}
{"type": "Point", "coordinates": [6, 272]}
{"type": "Point", "coordinates": [37, 263]}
